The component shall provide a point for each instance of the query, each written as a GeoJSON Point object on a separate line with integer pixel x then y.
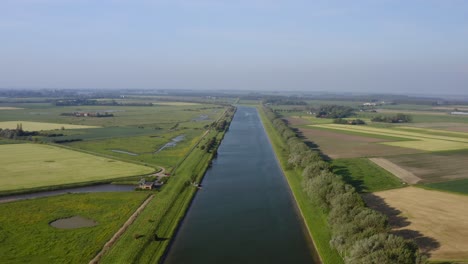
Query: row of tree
{"type": "Point", "coordinates": [18, 133]}
{"type": "Point", "coordinates": [359, 234]}
{"type": "Point", "coordinates": [349, 121]}
{"type": "Point", "coordinates": [334, 111]}
{"type": "Point", "coordinates": [398, 118]}
{"type": "Point", "coordinates": [281, 100]}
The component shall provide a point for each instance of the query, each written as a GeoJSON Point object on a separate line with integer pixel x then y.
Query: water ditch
{"type": "Point", "coordinates": [172, 143]}
{"type": "Point", "coordinates": [87, 189]}
{"type": "Point", "coordinates": [245, 212]}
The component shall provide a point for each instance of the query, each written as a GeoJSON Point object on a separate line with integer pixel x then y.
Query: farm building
{"type": "Point", "coordinates": [149, 185]}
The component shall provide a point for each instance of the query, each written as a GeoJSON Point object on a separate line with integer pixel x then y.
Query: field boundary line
{"type": "Point", "coordinates": [122, 230]}
{"type": "Point", "coordinates": [396, 170]}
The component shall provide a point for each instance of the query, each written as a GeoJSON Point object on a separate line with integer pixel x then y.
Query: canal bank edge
{"type": "Point", "coordinates": [314, 218]}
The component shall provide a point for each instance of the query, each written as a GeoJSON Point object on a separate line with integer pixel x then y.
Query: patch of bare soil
{"type": "Point", "coordinates": [396, 170]}
{"type": "Point", "coordinates": [437, 221]}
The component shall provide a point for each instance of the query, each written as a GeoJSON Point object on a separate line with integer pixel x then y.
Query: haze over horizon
{"type": "Point", "coordinates": [351, 46]}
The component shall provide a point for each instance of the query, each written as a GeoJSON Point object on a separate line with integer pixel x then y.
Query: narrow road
{"type": "Point", "coordinates": [119, 233]}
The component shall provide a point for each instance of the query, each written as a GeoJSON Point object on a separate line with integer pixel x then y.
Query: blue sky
{"type": "Point", "coordinates": [415, 46]}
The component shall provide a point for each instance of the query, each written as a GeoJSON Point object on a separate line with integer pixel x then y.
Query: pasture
{"type": "Point", "coordinates": [26, 166]}
{"type": "Point", "coordinates": [143, 116]}
{"type": "Point", "coordinates": [435, 167]}
{"type": "Point", "coordinates": [419, 140]}
{"type": "Point", "coordinates": [145, 147]}
{"type": "Point", "coordinates": [435, 220]}
{"type": "Point", "coordinates": [364, 175]}
{"type": "Point", "coordinates": [27, 237]}
{"type": "Point", "coordinates": [38, 126]}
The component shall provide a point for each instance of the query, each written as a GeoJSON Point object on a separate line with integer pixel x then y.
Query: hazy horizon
{"type": "Point", "coordinates": [377, 46]}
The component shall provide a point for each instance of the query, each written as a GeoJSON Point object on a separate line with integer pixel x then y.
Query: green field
{"type": "Point", "coordinates": [27, 237]}
{"type": "Point", "coordinates": [38, 126]}
{"type": "Point", "coordinates": [417, 139]}
{"type": "Point", "coordinates": [364, 175]}
{"type": "Point", "coordinates": [143, 116]}
{"type": "Point", "coordinates": [26, 166]}
{"type": "Point", "coordinates": [145, 147]}
{"type": "Point", "coordinates": [457, 186]}
{"type": "Point", "coordinates": [314, 218]}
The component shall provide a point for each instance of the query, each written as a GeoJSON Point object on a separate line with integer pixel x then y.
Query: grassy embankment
{"type": "Point", "coordinates": [27, 237]}
{"type": "Point", "coordinates": [29, 166]}
{"type": "Point", "coordinates": [314, 217]}
{"type": "Point", "coordinates": [146, 240]}
{"type": "Point", "coordinates": [364, 175]}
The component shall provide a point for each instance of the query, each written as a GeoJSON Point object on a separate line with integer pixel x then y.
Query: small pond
{"type": "Point", "coordinates": [172, 143]}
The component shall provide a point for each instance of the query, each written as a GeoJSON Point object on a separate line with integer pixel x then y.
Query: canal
{"type": "Point", "coordinates": [245, 212]}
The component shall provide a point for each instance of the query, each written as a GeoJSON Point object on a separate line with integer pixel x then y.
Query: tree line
{"type": "Point", "coordinates": [398, 118]}
{"type": "Point", "coordinates": [359, 234]}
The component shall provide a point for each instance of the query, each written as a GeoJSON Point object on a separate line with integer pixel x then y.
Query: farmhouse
{"type": "Point", "coordinates": [144, 185]}
{"type": "Point", "coordinates": [459, 113]}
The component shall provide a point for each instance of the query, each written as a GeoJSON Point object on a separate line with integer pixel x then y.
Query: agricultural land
{"type": "Point", "coordinates": [51, 143]}
{"type": "Point", "coordinates": [436, 220]}
{"type": "Point", "coordinates": [26, 166]}
{"type": "Point", "coordinates": [381, 160]}
{"type": "Point", "coordinates": [25, 226]}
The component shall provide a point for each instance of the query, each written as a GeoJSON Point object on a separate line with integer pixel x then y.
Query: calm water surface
{"type": "Point", "coordinates": [245, 212]}
{"type": "Point", "coordinates": [94, 188]}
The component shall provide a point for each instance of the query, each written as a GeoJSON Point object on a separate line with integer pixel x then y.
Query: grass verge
{"type": "Point", "coordinates": [364, 175]}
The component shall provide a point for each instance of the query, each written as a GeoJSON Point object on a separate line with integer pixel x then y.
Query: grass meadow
{"type": "Point", "coordinates": [144, 146]}
{"type": "Point", "coordinates": [38, 126]}
{"type": "Point", "coordinates": [27, 237]}
{"type": "Point", "coordinates": [456, 186]}
{"type": "Point", "coordinates": [26, 166]}
{"type": "Point", "coordinates": [364, 175]}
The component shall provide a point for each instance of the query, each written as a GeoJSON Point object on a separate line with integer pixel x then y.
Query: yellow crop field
{"type": "Point", "coordinates": [27, 166]}
{"type": "Point", "coordinates": [416, 139]}
{"type": "Point", "coordinates": [38, 126]}
{"type": "Point", "coordinates": [176, 103]}
{"type": "Point", "coordinates": [9, 108]}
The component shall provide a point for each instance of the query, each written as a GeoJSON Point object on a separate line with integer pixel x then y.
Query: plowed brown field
{"type": "Point", "coordinates": [437, 221]}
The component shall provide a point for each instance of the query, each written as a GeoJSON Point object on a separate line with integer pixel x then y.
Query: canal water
{"type": "Point", "coordinates": [245, 212]}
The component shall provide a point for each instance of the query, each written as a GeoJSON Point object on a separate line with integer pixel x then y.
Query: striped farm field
{"type": "Point", "coordinates": [417, 139]}
{"type": "Point", "coordinates": [38, 126]}
{"type": "Point", "coordinates": [26, 166]}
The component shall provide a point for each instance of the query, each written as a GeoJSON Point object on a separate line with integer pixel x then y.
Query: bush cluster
{"type": "Point", "coordinates": [398, 118]}
{"type": "Point", "coordinates": [359, 234]}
